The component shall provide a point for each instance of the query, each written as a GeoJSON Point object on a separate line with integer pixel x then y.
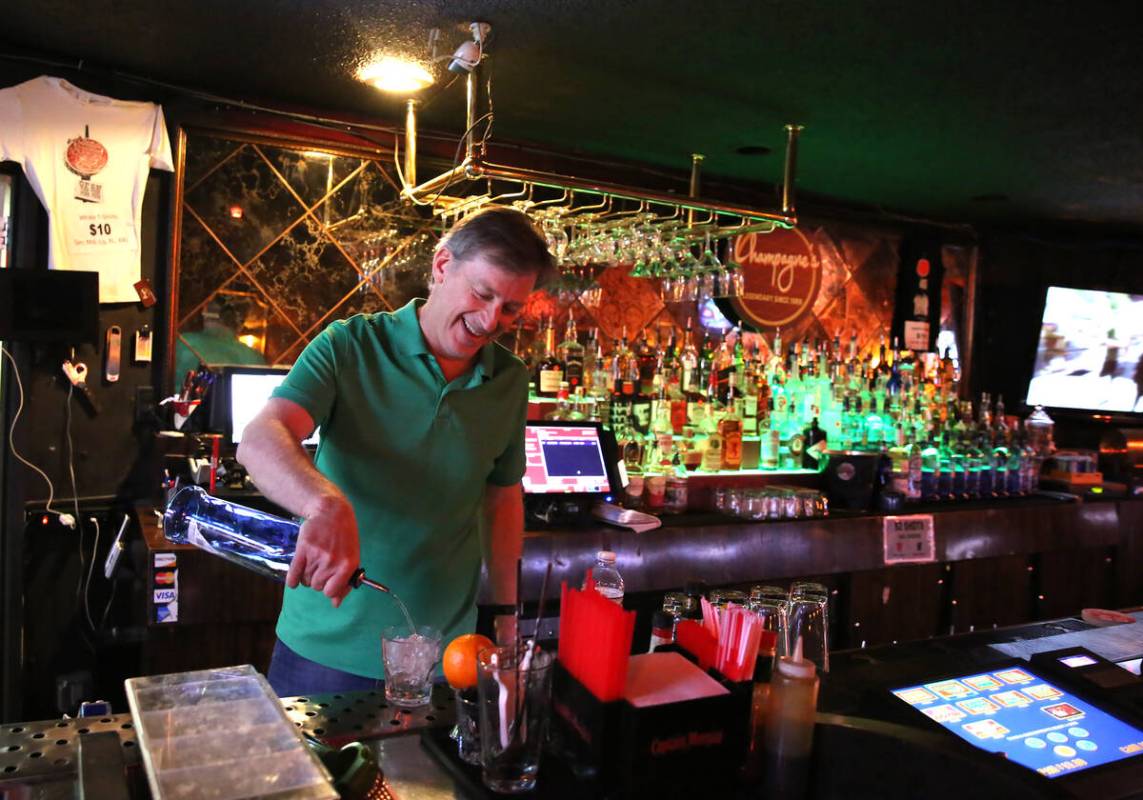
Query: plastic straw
{"type": "Point", "coordinates": [595, 641]}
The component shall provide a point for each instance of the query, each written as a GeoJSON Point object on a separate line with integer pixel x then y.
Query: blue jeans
{"type": "Point", "coordinates": [292, 675]}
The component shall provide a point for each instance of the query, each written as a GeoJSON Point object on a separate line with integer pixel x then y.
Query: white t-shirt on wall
{"type": "Point", "coordinates": [87, 157]}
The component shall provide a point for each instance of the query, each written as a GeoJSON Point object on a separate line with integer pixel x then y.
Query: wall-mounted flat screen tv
{"type": "Point", "coordinates": [1090, 353]}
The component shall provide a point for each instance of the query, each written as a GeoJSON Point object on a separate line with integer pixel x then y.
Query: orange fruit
{"type": "Point", "coordinates": [459, 660]}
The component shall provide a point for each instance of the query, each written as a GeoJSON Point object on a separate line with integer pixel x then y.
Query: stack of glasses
{"type": "Point", "coordinates": [771, 502]}
{"type": "Point", "coordinates": [802, 611]}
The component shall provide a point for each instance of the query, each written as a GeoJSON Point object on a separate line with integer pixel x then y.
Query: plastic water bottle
{"type": "Point", "coordinates": [245, 536]}
{"type": "Point", "coordinates": [608, 581]}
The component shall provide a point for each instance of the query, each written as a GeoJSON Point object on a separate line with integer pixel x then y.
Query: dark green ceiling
{"type": "Point", "coordinates": [1034, 109]}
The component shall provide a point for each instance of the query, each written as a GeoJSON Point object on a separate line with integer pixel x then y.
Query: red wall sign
{"type": "Point", "coordinates": [782, 277]}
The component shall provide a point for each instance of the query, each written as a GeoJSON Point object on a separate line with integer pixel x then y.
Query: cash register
{"type": "Point", "coordinates": [570, 466]}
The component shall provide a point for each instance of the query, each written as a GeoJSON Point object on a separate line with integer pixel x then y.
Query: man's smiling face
{"type": "Point", "coordinates": [473, 302]}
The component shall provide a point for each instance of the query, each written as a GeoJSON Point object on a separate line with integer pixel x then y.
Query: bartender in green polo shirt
{"type": "Point", "coordinates": [417, 476]}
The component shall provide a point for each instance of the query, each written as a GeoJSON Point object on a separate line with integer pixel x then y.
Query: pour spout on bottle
{"type": "Point", "coordinates": [359, 578]}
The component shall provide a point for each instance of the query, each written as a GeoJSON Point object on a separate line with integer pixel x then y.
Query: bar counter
{"type": "Point", "coordinates": [887, 754]}
{"type": "Point", "coordinates": [997, 563]}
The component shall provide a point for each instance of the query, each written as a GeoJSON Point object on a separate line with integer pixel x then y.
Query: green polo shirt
{"type": "Point", "coordinates": [413, 453]}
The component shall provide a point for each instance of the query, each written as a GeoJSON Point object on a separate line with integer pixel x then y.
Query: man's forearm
{"type": "Point", "coordinates": [504, 521]}
{"type": "Point", "coordinates": [282, 470]}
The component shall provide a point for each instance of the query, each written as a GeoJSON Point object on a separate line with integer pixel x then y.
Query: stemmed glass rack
{"type": "Point", "coordinates": [591, 226]}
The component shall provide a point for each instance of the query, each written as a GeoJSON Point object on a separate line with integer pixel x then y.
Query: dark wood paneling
{"type": "Point", "coordinates": [1129, 557]}
{"type": "Point", "coordinates": [730, 552]}
{"type": "Point", "coordinates": [989, 593]}
{"type": "Point", "coordinates": [893, 605]}
{"type": "Point", "coordinates": [189, 647]}
{"type": "Point", "coordinates": [1072, 581]}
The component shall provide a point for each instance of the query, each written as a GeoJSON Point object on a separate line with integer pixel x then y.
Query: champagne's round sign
{"type": "Point", "coordinates": [782, 277]}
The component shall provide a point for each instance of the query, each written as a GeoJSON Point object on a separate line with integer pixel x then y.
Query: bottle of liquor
{"type": "Point", "coordinates": [931, 479]}
{"type": "Point", "coordinates": [947, 474]}
{"type": "Point", "coordinates": [252, 539]}
{"type": "Point", "coordinates": [689, 361]}
{"type": "Point", "coordinates": [1000, 458]}
{"type": "Point", "coordinates": [550, 370]}
{"type": "Point", "coordinates": [563, 404]}
{"type": "Point", "coordinates": [571, 353]}
{"type": "Point", "coordinates": [600, 375]}
{"type": "Point", "coordinates": [589, 351]}
{"type": "Point", "coordinates": [730, 429]}
{"type": "Point", "coordinates": [706, 366]}
{"type": "Point", "coordinates": [771, 443]}
{"type": "Point", "coordinates": [973, 464]}
{"type": "Point", "coordinates": [793, 444]}
{"type": "Point", "coordinates": [814, 446]}
{"type": "Point", "coordinates": [669, 357]}
{"type": "Point", "coordinates": [750, 404]}
{"type": "Point", "coordinates": [1015, 463]}
{"type": "Point", "coordinates": [647, 358]}
{"type": "Point", "coordinates": [899, 463]}
{"type": "Point", "coordinates": [712, 455]}
{"type": "Point", "coordinates": [678, 405]}
{"type": "Point", "coordinates": [959, 468]}
{"type": "Point", "coordinates": [632, 387]}
{"type": "Point", "coordinates": [916, 475]}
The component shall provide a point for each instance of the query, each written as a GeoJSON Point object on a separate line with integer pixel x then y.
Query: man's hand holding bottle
{"type": "Point", "coordinates": [328, 551]}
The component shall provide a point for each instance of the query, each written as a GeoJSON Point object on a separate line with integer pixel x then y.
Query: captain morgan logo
{"type": "Point", "coordinates": [86, 157]}
{"type": "Point", "coordinates": [782, 275]}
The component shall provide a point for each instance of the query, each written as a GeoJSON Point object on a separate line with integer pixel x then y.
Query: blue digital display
{"type": "Point", "coordinates": [1031, 721]}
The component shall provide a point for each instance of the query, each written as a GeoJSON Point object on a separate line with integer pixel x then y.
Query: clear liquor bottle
{"type": "Point", "coordinates": [916, 466]}
{"type": "Point", "coordinates": [899, 463]}
{"type": "Point", "coordinates": [600, 383]}
{"type": "Point", "coordinates": [712, 455]}
{"type": "Point", "coordinates": [1000, 456]}
{"type": "Point", "coordinates": [689, 362]}
{"type": "Point", "coordinates": [973, 464]}
{"type": "Point", "coordinates": [771, 440]}
{"type": "Point", "coordinates": [1015, 463]}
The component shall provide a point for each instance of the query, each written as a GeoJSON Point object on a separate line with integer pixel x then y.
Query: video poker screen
{"type": "Point", "coordinates": [564, 459]}
{"type": "Point", "coordinates": [1031, 721]}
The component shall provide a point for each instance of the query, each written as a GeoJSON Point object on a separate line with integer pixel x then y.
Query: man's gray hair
{"type": "Point", "coordinates": [507, 238]}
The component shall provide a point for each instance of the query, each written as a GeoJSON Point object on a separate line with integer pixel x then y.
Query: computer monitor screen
{"type": "Point", "coordinates": [1031, 721]}
{"type": "Point", "coordinates": [564, 459]}
{"type": "Point", "coordinates": [250, 388]}
{"type": "Point", "coordinates": [1090, 353]}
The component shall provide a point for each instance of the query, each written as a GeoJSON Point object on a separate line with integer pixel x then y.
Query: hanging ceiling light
{"type": "Point", "coordinates": [396, 75]}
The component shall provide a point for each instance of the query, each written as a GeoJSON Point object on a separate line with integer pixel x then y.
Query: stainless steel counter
{"type": "Point", "coordinates": [39, 760]}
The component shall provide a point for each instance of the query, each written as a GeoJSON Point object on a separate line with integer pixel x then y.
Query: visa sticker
{"type": "Point", "coordinates": [163, 596]}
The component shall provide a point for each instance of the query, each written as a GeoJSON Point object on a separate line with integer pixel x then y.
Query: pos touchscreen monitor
{"type": "Point", "coordinates": [566, 457]}
{"type": "Point", "coordinates": [1036, 723]}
